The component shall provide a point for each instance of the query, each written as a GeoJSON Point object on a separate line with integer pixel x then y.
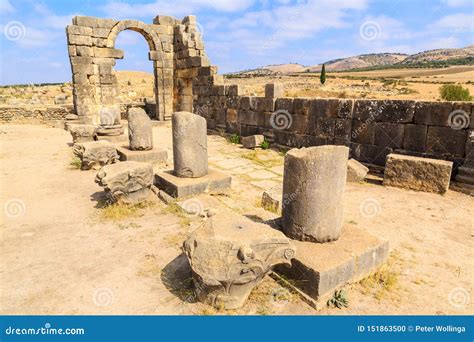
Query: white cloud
{"type": "Point", "coordinates": [458, 3]}
{"type": "Point", "coordinates": [119, 9]}
{"type": "Point", "coordinates": [457, 22]}
{"type": "Point", "coordinates": [6, 7]}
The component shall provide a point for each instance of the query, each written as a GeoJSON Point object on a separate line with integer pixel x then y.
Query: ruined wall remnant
{"type": "Point", "coordinates": [176, 50]}
{"type": "Point", "coordinates": [372, 129]}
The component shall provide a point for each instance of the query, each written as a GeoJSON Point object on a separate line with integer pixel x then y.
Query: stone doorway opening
{"type": "Point", "coordinates": [135, 74]}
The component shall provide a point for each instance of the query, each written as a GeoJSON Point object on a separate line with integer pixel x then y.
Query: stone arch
{"type": "Point", "coordinates": [155, 54]}
{"type": "Point", "coordinates": [138, 26]}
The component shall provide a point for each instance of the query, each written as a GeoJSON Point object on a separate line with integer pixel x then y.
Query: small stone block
{"type": "Point", "coordinates": [179, 187]}
{"type": "Point", "coordinates": [274, 90]}
{"type": "Point", "coordinates": [415, 173]}
{"type": "Point", "coordinates": [271, 201]}
{"type": "Point", "coordinates": [253, 141]}
{"type": "Point", "coordinates": [356, 172]}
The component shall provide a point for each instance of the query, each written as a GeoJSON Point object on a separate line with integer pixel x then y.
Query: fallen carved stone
{"type": "Point", "coordinates": [95, 154]}
{"type": "Point", "coordinates": [126, 182]}
{"type": "Point", "coordinates": [83, 132]}
{"type": "Point", "coordinates": [229, 259]}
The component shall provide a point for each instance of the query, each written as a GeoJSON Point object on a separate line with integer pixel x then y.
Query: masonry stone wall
{"type": "Point", "coordinates": [370, 128]}
{"type": "Point", "coordinates": [33, 113]}
{"type": "Point", "coordinates": [176, 50]}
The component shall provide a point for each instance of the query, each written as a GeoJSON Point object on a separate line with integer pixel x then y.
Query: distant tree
{"type": "Point", "coordinates": [452, 92]}
{"type": "Point", "coordinates": [322, 78]}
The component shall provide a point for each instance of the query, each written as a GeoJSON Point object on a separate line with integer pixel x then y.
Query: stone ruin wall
{"type": "Point", "coordinates": [370, 128]}
{"type": "Point", "coordinates": [176, 50]}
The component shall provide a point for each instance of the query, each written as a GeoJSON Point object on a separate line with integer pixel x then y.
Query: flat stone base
{"type": "Point", "coordinates": [321, 268]}
{"type": "Point", "coordinates": [113, 138]}
{"type": "Point", "coordinates": [156, 155]}
{"type": "Point", "coordinates": [179, 187]}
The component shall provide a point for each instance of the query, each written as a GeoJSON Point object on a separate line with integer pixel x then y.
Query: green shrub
{"type": "Point", "coordinates": [234, 139]}
{"type": "Point", "coordinates": [452, 92]}
{"type": "Point", "coordinates": [265, 145]}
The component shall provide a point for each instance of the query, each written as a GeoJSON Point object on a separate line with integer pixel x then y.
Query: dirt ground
{"type": "Point", "coordinates": [61, 253]}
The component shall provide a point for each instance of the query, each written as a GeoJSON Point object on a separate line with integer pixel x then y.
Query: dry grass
{"type": "Point", "coordinates": [265, 158]}
{"type": "Point", "coordinates": [119, 212]}
{"type": "Point", "coordinates": [75, 162]}
{"type": "Point", "coordinates": [384, 281]}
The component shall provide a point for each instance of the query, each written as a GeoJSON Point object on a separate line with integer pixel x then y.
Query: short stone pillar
{"type": "Point", "coordinates": [313, 184]}
{"type": "Point", "coordinates": [140, 133]}
{"type": "Point", "coordinates": [189, 145]}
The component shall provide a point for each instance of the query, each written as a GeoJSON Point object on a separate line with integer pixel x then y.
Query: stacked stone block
{"type": "Point", "coordinates": [372, 129]}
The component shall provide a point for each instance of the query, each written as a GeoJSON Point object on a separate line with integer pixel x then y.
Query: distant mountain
{"type": "Point", "coordinates": [431, 58]}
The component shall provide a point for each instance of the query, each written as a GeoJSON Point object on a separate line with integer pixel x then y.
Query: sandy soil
{"type": "Point", "coordinates": [59, 255]}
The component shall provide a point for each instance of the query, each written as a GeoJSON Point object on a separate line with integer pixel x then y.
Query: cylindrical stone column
{"type": "Point", "coordinates": [140, 130]}
{"type": "Point", "coordinates": [189, 145]}
{"type": "Point", "coordinates": [313, 184]}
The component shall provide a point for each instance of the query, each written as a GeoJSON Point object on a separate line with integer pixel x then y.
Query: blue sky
{"type": "Point", "coordinates": [238, 34]}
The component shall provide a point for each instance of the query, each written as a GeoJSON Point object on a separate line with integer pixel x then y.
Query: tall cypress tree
{"type": "Point", "coordinates": [322, 78]}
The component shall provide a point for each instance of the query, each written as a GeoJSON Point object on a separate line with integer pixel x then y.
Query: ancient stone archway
{"type": "Point", "coordinates": [176, 50]}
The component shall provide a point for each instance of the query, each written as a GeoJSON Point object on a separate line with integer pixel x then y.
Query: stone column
{"type": "Point", "coordinates": [189, 145]}
{"type": "Point", "coordinates": [313, 183]}
{"type": "Point", "coordinates": [140, 133]}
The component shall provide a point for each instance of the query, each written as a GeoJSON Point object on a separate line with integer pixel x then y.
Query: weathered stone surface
{"type": "Point", "coordinates": [213, 181]}
{"type": "Point", "coordinates": [140, 131]}
{"type": "Point", "coordinates": [318, 269]}
{"type": "Point", "coordinates": [446, 141]}
{"type": "Point", "coordinates": [313, 183]}
{"type": "Point", "coordinates": [271, 201]}
{"type": "Point", "coordinates": [415, 138]}
{"type": "Point", "coordinates": [189, 145]}
{"type": "Point", "coordinates": [155, 155]}
{"type": "Point", "coordinates": [127, 182]}
{"type": "Point", "coordinates": [229, 259]}
{"type": "Point", "coordinates": [389, 134]}
{"type": "Point", "coordinates": [422, 174]}
{"type": "Point", "coordinates": [83, 132]}
{"type": "Point", "coordinates": [356, 172]}
{"type": "Point", "coordinates": [95, 154]}
{"type": "Point", "coordinates": [274, 90]}
{"type": "Point", "coordinates": [433, 113]}
{"type": "Point", "coordinates": [253, 141]}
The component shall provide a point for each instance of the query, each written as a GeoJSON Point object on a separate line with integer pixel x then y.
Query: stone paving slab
{"type": "Point", "coordinates": [262, 174]}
